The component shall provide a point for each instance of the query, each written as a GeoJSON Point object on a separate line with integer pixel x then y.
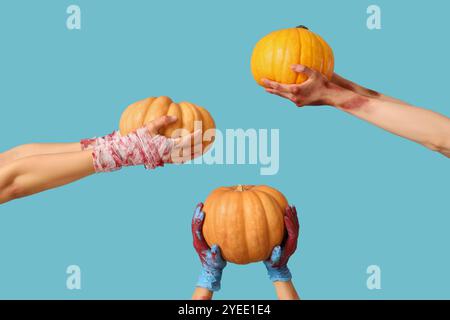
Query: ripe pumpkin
{"type": "Point", "coordinates": [142, 112]}
{"type": "Point", "coordinates": [245, 221]}
{"type": "Point", "coordinates": [274, 54]}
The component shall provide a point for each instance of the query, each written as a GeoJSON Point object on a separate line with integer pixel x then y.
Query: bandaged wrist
{"type": "Point", "coordinates": [136, 148]}
{"type": "Point", "coordinates": [90, 143]}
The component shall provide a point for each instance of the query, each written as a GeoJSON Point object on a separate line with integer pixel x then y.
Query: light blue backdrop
{"type": "Point", "coordinates": [364, 196]}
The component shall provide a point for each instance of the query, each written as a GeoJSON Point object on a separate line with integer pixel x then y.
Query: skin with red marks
{"type": "Point", "coordinates": [318, 90]}
{"type": "Point", "coordinates": [423, 126]}
{"type": "Point", "coordinates": [351, 86]}
{"type": "Point", "coordinates": [354, 103]}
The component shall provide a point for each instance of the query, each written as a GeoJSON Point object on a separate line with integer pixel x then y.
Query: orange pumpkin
{"type": "Point", "coordinates": [274, 54]}
{"type": "Point", "coordinates": [245, 221]}
{"type": "Point", "coordinates": [142, 112]}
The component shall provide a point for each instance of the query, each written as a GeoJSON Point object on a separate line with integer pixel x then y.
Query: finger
{"type": "Point", "coordinates": [217, 253]}
{"type": "Point", "coordinates": [275, 85]}
{"type": "Point", "coordinates": [299, 68]}
{"type": "Point", "coordinates": [291, 218]}
{"type": "Point", "coordinates": [160, 123]}
{"type": "Point", "coordinates": [279, 93]}
{"type": "Point", "coordinates": [198, 213]}
{"type": "Point", "coordinates": [185, 141]}
{"type": "Point", "coordinates": [295, 216]}
{"type": "Point", "coordinates": [276, 255]}
{"type": "Point", "coordinates": [288, 250]}
{"type": "Point", "coordinates": [214, 248]}
{"type": "Point", "coordinates": [197, 226]}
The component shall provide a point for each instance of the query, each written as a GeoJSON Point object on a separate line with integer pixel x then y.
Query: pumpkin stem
{"type": "Point", "coordinates": [240, 188]}
{"type": "Point", "coordinates": [302, 27]}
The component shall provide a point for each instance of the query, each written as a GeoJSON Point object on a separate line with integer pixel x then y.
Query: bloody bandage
{"type": "Point", "coordinates": [136, 148]}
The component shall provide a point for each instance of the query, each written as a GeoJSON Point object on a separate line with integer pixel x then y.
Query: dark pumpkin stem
{"type": "Point", "coordinates": [302, 27]}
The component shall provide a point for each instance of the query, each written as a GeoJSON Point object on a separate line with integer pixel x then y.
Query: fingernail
{"type": "Point", "coordinates": [297, 67]}
{"type": "Point", "coordinates": [173, 118]}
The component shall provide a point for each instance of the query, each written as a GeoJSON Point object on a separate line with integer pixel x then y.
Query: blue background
{"type": "Point", "coordinates": [364, 196]}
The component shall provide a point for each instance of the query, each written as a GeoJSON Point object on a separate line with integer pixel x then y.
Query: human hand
{"type": "Point", "coordinates": [211, 258]}
{"type": "Point", "coordinates": [184, 148]}
{"type": "Point", "coordinates": [145, 146]}
{"type": "Point", "coordinates": [277, 263]}
{"type": "Point", "coordinates": [316, 90]}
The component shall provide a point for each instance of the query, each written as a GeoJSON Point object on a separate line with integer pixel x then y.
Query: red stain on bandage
{"type": "Point", "coordinates": [136, 148]}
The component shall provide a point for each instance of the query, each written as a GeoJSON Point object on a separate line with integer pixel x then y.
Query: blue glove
{"type": "Point", "coordinates": [277, 273]}
{"type": "Point", "coordinates": [211, 273]}
{"type": "Point", "coordinates": [277, 263]}
{"type": "Point", "coordinates": [211, 259]}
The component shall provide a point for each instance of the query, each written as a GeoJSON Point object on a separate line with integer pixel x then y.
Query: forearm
{"type": "Point", "coordinates": [202, 294]}
{"type": "Point", "coordinates": [34, 174]}
{"type": "Point", "coordinates": [352, 86]}
{"type": "Point", "coordinates": [426, 127]}
{"type": "Point", "coordinates": [32, 149]}
{"type": "Point", "coordinates": [285, 290]}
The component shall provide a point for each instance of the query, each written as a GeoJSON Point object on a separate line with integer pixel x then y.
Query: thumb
{"type": "Point", "coordinates": [299, 68]}
{"type": "Point", "coordinates": [276, 255]}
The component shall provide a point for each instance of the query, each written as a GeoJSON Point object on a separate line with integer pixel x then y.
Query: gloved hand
{"type": "Point", "coordinates": [211, 259]}
{"type": "Point", "coordinates": [277, 263]}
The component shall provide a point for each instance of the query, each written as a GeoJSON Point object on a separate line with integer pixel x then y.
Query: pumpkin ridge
{"type": "Point", "coordinates": [196, 114]}
{"type": "Point", "coordinates": [274, 60]}
{"type": "Point", "coordinates": [325, 60]}
{"type": "Point", "coordinates": [244, 224]}
{"type": "Point", "coordinates": [275, 204]}
{"type": "Point", "coordinates": [301, 54]}
{"type": "Point", "coordinates": [266, 222]}
{"type": "Point", "coordinates": [285, 69]}
{"type": "Point", "coordinates": [186, 113]}
{"type": "Point", "coordinates": [322, 53]}
{"type": "Point", "coordinates": [147, 109]}
{"type": "Point", "coordinates": [270, 196]}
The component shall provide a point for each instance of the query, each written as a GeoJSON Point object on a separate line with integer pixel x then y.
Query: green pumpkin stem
{"type": "Point", "coordinates": [302, 27]}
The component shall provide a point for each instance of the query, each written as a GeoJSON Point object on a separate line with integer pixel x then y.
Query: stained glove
{"type": "Point", "coordinates": [210, 258]}
{"type": "Point", "coordinates": [276, 265]}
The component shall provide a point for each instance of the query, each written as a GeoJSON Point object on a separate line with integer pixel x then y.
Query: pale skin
{"type": "Point", "coordinates": [423, 126]}
{"type": "Point", "coordinates": [284, 291]}
{"type": "Point", "coordinates": [33, 168]}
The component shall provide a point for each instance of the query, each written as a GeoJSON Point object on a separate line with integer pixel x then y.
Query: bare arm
{"type": "Point", "coordinates": [202, 294]}
{"type": "Point", "coordinates": [34, 174]}
{"type": "Point", "coordinates": [33, 149]}
{"type": "Point", "coordinates": [423, 126]}
{"type": "Point", "coordinates": [285, 290]}
{"type": "Point", "coordinates": [351, 86]}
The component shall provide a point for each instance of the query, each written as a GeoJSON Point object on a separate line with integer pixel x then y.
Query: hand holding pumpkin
{"type": "Point", "coordinates": [317, 90]}
{"type": "Point", "coordinates": [277, 263]}
{"type": "Point", "coordinates": [143, 146]}
{"type": "Point", "coordinates": [211, 259]}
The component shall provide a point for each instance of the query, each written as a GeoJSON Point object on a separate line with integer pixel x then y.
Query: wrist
{"type": "Point", "coordinates": [279, 274]}
{"type": "Point", "coordinates": [210, 279]}
{"type": "Point", "coordinates": [345, 99]}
